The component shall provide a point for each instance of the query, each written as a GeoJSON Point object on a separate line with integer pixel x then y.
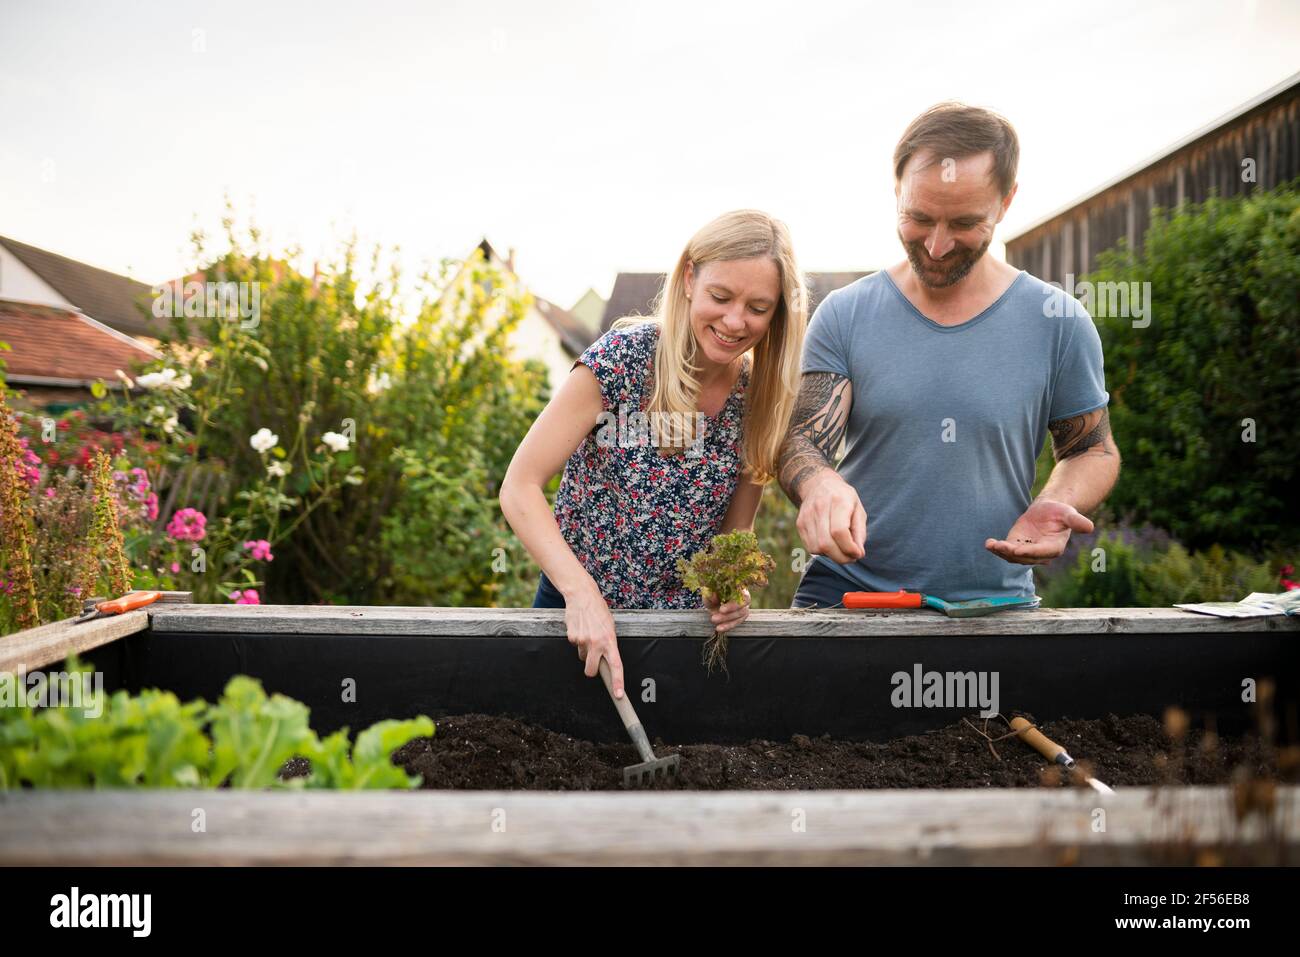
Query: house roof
{"type": "Point", "coordinates": [635, 292]}
{"type": "Point", "coordinates": [114, 300]}
{"type": "Point", "coordinates": [574, 336]}
{"type": "Point", "coordinates": [52, 345]}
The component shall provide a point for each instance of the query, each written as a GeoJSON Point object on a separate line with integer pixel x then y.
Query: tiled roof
{"type": "Point", "coordinates": [114, 300]}
{"type": "Point", "coordinates": [635, 292]}
{"type": "Point", "coordinates": [48, 342]}
{"type": "Point", "coordinates": [573, 334]}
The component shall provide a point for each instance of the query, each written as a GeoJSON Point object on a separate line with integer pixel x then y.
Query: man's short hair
{"type": "Point", "coordinates": [956, 130]}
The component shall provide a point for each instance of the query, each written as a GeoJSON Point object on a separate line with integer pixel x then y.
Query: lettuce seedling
{"type": "Point", "coordinates": [155, 740]}
{"type": "Point", "coordinates": [371, 765]}
{"type": "Point", "coordinates": [732, 563]}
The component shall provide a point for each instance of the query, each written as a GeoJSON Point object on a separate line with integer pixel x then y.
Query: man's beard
{"type": "Point", "coordinates": [953, 268]}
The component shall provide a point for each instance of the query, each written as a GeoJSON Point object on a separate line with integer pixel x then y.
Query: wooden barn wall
{"type": "Point", "coordinates": [1070, 242]}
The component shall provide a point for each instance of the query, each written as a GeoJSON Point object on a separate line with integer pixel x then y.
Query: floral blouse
{"type": "Point", "coordinates": [629, 513]}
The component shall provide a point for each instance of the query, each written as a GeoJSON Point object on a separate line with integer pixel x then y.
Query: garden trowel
{"type": "Point", "coordinates": [913, 599]}
{"type": "Point", "coordinates": [651, 769]}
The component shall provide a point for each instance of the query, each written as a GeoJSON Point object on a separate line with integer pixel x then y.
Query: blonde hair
{"type": "Point", "coordinates": [774, 377]}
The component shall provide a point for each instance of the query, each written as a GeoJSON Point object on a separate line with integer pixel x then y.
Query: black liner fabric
{"type": "Point", "coordinates": [777, 686]}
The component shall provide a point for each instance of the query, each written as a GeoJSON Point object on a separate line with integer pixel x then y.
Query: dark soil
{"type": "Point", "coordinates": [484, 752]}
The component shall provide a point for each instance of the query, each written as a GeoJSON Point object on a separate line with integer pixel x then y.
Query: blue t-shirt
{"type": "Point", "coordinates": [946, 425]}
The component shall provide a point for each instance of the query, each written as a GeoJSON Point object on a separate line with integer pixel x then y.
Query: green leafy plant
{"type": "Point", "coordinates": [1204, 398]}
{"type": "Point", "coordinates": [1213, 574]}
{"type": "Point", "coordinates": [731, 564]}
{"type": "Point", "coordinates": [153, 740]}
{"type": "Point", "coordinates": [1127, 574]}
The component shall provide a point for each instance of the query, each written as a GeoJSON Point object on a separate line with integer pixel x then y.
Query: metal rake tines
{"type": "Point", "coordinates": [652, 772]}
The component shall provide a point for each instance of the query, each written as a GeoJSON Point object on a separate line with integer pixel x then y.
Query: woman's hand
{"type": "Point", "coordinates": [727, 616]}
{"type": "Point", "coordinates": [591, 630]}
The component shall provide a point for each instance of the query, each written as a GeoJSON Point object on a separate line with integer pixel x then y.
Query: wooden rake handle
{"type": "Point", "coordinates": [628, 715]}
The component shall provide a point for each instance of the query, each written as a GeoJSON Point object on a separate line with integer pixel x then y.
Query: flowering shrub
{"type": "Point", "coordinates": [61, 535]}
{"type": "Point", "coordinates": [329, 452]}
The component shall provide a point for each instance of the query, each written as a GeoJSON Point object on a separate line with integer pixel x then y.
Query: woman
{"type": "Point", "coordinates": [666, 435]}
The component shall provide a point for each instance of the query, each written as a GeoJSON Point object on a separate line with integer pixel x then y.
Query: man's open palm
{"type": "Point", "coordinates": [1040, 534]}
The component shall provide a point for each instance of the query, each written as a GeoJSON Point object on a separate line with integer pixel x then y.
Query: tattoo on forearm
{"type": "Point", "coordinates": [817, 426]}
{"type": "Point", "coordinates": [1076, 435]}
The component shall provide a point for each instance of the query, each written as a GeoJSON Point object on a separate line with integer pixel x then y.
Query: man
{"type": "Point", "coordinates": [942, 376]}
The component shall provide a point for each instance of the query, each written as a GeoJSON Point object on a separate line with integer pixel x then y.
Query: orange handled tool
{"type": "Point", "coordinates": [883, 599]}
{"type": "Point", "coordinates": [95, 608]}
{"type": "Point", "coordinates": [913, 599]}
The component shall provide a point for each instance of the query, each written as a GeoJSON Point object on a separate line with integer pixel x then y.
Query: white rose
{"type": "Point", "coordinates": [164, 379]}
{"type": "Point", "coordinates": [263, 440]}
{"type": "Point", "coordinates": [338, 443]}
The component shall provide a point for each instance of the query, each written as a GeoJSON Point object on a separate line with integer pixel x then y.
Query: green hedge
{"type": "Point", "coordinates": [1220, 360]}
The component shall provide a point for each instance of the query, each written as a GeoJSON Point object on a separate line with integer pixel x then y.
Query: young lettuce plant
{"type": "Point", "coordinates": [732, 563]}
{"type": "Point", "coordinates": [154, 740]}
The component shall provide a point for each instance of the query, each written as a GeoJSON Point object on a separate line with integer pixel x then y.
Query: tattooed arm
{"type": "Point", "coordinates": [1087, 464]}
{"type": "Point", "coordinates": [832, 521]}
{"type": "Point", "coordinates": [1087, 460]}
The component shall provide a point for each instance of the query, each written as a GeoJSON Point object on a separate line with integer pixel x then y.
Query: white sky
{"type": "Point", "coordinates": [592, 137]}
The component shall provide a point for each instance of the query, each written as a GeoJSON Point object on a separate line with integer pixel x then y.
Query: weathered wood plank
{"type": "Point", "coordinates": [38, 647]}
{"type": "Point", "coordinates": [48, 644]}
{"type": "Point", "coordinates": [673, 828]}
{"type": "Point", "coordinates": [794, 623]}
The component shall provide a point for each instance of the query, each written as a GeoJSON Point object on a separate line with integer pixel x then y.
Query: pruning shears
{"type": "Point", "coordinates": [93, 608]}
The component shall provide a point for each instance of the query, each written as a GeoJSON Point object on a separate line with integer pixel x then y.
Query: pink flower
{"type": "Point", "coordinates": [188, 525]}
{"type": "Point", "coordinates": [29, 466]}
{"type": "Point", "coordinates": [248, 596]}
{"type": "Point", "coordinates": [49, 492]}
{"type": "Point", "coordinates": [176, 567]}
{"type": "Point", "coordinates": [151, 506]}
{"type": "Point", "coordinates": [261, 550]}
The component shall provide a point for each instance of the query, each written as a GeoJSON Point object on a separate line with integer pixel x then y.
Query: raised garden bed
{"type": "Point", "coordinates": [807, 707]}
